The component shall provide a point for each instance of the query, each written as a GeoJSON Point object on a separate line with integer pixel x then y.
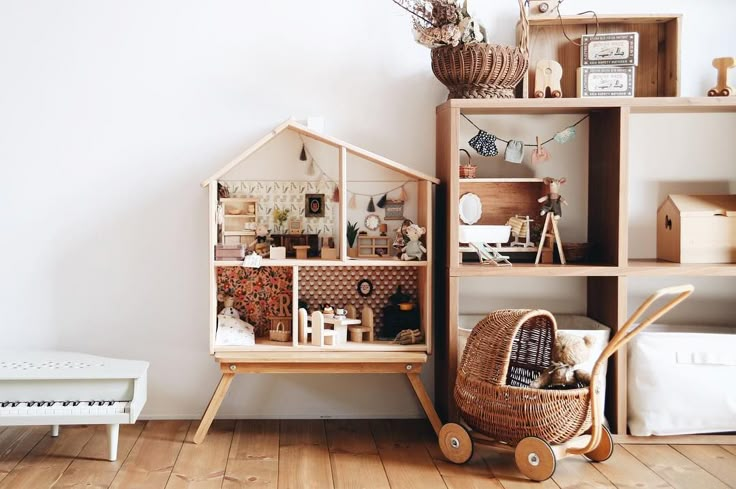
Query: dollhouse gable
{"type": "Point", "coordinates": [291, 125]}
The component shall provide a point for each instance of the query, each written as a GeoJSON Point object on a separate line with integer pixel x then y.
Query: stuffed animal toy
{"type": "Point", "coordinates": [262, 242]}
{"type": "Point", "coordinates": [567, 352]}
{"type": "Point", "coordinates": [553, 201]}
{"type": "Point", "coordinates": [413, 250]}
{"type": "Point", "coordinates": [228, 309]}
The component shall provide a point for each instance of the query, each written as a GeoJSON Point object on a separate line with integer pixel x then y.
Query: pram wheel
{"type": "Point", "coordinates": [604, 450]}
{"type": "Point", "coordinates": [455, 443]}
{"type": "Point", "coordinates": [535, 458]}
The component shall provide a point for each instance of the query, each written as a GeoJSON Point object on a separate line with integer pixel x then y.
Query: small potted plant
{"type": "Point", "coordinates": [462, 59]}
{"type": "Point", "coordinates": [352, 234]}
{"type": "Point", "coordinates": [280, 216]}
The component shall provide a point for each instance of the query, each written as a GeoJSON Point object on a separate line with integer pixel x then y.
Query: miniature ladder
{"type": "Point", "coordinates": [489, 254]}
{"type": "Point", "coordinates": [555, 236]}
{"type": "Point", "coordinates": [318, 362]}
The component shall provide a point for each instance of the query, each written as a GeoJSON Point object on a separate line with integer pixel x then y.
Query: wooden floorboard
{"type": "Point", "coordinates": [712, 458]}
{"type": "Point", "coordinates": [332, 454]}
{"type": "Point", "coordinates": [91, 468]}
{"type": "Point", "coordinates": [203, 466]}
{"type": "Point", "coordinates": [48, 460]}
{"type": "Point", "coordinates": [154, 454]}
{"type": "Point", "coordinates": [254, 456]}
{"type": "Point", "coordinates": [354, 456]}
{"type": "Point", "coordinates": [304, 460]}
{"type": "Point", "coordinates": [679, 471]}
{"type": "Point", "coordinates": [404, 456]}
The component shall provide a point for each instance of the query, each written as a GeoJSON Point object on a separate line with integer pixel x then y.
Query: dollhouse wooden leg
{"type": "Point", "coordinates": [558, 240]}
{"type": "Point", "coordinates": [213, 407]}
{"type": "Point", "coordinates": [542, 238]}
{"type": "Point", "coordinates": [425, 401]}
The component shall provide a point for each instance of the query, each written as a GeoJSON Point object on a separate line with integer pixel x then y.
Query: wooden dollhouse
{"type": "Point", "coordinates": [305, 279]}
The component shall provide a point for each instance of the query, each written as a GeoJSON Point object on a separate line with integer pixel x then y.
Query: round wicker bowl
{"type": "Point", "coordinates": [479, 70]}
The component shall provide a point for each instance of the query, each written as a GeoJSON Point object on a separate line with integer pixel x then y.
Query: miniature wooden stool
{"type": "Point", "coordinates": [358, 333]}
{"type": "Point", "coordinates": [301, 251]}
{"type": "Point", "coordinates": [722, 89]}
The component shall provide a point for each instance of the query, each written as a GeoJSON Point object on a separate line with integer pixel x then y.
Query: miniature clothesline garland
{"type": "Point", "coordinates": [305, 155]}
{"type": "Point", "coordinates": [566, 133]}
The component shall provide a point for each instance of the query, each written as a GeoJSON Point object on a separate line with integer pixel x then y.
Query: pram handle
{"type": "Point", "coordinates": [622, 337]}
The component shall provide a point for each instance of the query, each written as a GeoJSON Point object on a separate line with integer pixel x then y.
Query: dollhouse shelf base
{"type": "Point", "coordinates": [319, 262]}
{"type": "Point", "coordinates": [317, 362]}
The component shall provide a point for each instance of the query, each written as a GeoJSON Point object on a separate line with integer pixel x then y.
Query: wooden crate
{"type": "Point", "coordinates": [658, 72]}
{"type": "Point", "coordinates": [697, 229]}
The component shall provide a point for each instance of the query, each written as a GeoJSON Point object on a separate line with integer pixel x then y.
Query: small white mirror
{"type": "Point", "coordinates": [470, 208]}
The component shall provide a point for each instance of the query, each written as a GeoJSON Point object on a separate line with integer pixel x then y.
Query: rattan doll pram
{"type": "Point", "coordinates": [505, 352]}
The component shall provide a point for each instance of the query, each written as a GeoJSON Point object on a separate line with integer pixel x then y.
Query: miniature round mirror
{"type": "Point", "coordinates": [372, 221]}
{"type": "Point", "coordinates": [470, 208]}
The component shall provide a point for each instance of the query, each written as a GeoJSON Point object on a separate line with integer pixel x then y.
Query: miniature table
{"type": "Point", "coordinates": [317, 362]}
{"type": "Point", "coordinates": [301, 251]}
{"type": "Point", "coordinates": [340, 326]}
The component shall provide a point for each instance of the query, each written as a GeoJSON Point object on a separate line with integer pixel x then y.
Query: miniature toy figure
{"type": "Point", "coordinates": [414, 250]}
{"type": "Point", "coordinates": [552, 202]}
{"type": "Point", "coordinates": [261, 244]}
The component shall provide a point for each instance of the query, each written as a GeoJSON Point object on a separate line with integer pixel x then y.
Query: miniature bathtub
{"type": "Point", "coordinates": [484, 234]}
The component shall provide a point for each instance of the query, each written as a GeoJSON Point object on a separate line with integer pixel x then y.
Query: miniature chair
{"type": "Point", "coordinates": [320, 335]}
{"type": "Point", "coordinates": [304, 329]}
{"type": "Point", "coordinates": [489, 254]}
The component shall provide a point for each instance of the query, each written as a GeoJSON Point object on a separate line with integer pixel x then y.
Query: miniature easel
{"type": "Point", "coordinates": [722, 89]}
{"type": "Point", "coordinates": [555, 236]}
{"type": "Point", "coordinates": [548, 74]}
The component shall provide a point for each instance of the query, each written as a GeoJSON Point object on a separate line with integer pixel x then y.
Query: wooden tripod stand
{"type": "Point", "coordinates": [555, 233]}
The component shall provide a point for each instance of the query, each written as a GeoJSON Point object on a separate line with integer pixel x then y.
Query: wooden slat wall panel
{"type": "Point", "coordinates": [254, 455]}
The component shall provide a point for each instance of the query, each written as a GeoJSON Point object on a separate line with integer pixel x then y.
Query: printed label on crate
{"type": "Point", "coordinates": [621, 49]}
{"type": "Point", "coordinates": [606, 82]}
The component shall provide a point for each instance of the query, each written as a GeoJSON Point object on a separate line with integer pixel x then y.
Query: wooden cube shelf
{"type": "Point", "coordinates": [658, 72]}
{"type": "Point", "coordinates": [374, 246]}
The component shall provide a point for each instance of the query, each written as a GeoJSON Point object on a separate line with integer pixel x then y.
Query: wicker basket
{"type": "Point", "coordinates": [481, 70]}
{"type": "Point", "coordinates": [505, 352]}
{"type": "Point", "coordinates": [467, 171]}
{"type": "Point", "coordinates": [280, 333]}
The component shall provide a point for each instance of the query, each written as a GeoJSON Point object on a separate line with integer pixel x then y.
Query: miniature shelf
{"type": "Point", "coordinates": [318, 262]}
{"type": "Point", "coordinates": [532, 270]}
{"type": "Point", "coordinates": [239, 233]}
{"type": "Point", "coordinates": [653, 267]}
{"type": "Point", "coordinates": [263, 344]}
{"type": "Point", "coordinates": [316, 356]}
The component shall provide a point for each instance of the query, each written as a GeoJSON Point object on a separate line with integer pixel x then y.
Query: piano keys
{"type": "Point", "coordinates": [63, 388]}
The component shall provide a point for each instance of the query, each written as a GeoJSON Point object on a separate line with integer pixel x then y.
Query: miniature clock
{"type": "Point", "coordinates": [372, 221]}
{"type": "Point", "coordinates": [365, 287]}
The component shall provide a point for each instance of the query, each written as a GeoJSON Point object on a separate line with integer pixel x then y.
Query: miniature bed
{"type": "Point", "coordinates": [354, 262]}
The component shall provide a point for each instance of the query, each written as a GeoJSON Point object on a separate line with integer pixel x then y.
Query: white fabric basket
{"type": "Point", "coordinates": [682, 380]}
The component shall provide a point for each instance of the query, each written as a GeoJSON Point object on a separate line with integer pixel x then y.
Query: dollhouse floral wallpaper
{"type": "Point", "coordinates": [288, 195]}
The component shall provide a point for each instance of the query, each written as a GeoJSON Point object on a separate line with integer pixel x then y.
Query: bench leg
{"type": "Point", "coordinates": [213, 407]}
{"type": "Point", "coordinates": [112, 441]}
{"type": "Point", "coordinates": [425, 401]}
{"type": "Point", "coordinates": [54, 430]}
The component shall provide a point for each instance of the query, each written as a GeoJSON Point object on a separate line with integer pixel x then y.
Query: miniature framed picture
{"type": "Point", "coordinates": [365, 287]}
{"type": "Point", "coordinates": [394, 210]}
{"type": "Point", "coordinates": [314, 205]}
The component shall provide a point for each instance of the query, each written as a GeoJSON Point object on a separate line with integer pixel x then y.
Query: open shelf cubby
{"type": "Point", "coordinates": [620, 167]}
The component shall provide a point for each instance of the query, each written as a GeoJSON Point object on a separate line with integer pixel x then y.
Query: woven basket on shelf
{"type": "Point", "coordinates": [481, 70]}
{"type": "Point", "coordinates": [280, 333]}
{"type": "Point", "coordinates": [467, 171]}
{"type": "Point", "coordinates": [505, 352]}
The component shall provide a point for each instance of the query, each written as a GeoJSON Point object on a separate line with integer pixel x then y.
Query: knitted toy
{"type": "Point", "coordinates": [413, 250]}
{"type": "Point", "coordinates": [567, 352]}
{"type": "Point", "coordinates": [262, 242]}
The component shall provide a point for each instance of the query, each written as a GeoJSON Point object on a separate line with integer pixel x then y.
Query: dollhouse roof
{"type": "Point", "coordinates": [291, 125]}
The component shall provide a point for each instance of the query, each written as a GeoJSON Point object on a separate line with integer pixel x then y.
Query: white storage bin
{"type": "Point", "coordinates": [682, 380]}
{"type": "Point", "coordinates": [568, 323]}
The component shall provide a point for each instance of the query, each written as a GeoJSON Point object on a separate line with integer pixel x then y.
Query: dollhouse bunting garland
{"type": "Point", "coordinates": [484, 143]}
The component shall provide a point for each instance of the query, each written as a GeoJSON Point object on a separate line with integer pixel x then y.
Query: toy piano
{"type": "Point", "coordinates": [63, 388]}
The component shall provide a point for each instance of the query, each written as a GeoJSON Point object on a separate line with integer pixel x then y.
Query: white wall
{"type": "Point", "coordinates": [111, 113]}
